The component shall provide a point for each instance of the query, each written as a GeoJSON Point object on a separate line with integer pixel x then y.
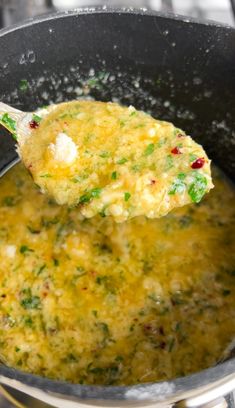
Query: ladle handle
{"type": "Point", "coordinates": [9, 118]}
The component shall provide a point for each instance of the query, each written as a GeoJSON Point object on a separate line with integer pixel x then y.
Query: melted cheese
{"type": "Point", "coordinates": [112, 160]}
{"type": "Point", "coordinates": [96, 302]}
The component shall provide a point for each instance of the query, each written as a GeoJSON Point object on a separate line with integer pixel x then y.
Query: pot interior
{"type": "Point", "coordinates": [175, 69]}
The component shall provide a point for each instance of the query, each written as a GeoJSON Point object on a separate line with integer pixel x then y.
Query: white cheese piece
{"type": "Point", "coordinates": [10, 251]}
{"type": "Point", "coordinates": [152, 132]}
{"type": "Point", "coordinates": [64, 150]}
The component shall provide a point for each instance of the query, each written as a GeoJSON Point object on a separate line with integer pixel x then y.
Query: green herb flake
{"type": "Point", "coordinates": [122, 161]}
{"type": "Point", "coordinates": [56, 262]}
{"type": "Point", "coordinates": [127, 196]}
{"type": "Point", "coordinates": [24, 249]}
{"type": "Point", "coordinates": [198, 187]}
{"type": "Point", "coordinates": [79, 178]}
{"type": "Point", "coordinates": [149, 149]}
{"type": "Point", "coordinates": [141, 125]}
{"type": "Point", "coordinates": [114, 175]}
{"type": "Point", "coordinates": [192, 157]}
{"type": "Point", "coordinates": [171, 345]}
{"type": "Point", "coordinates": [40, 269]}
{"type": "Point", "coordinates": [28, 321]}
{"type": "Point", "coordinates": [23, 85]}
{"type": "Point", "coordinates": [181, 176]}
{"type": "Point", "coordinates": [104, 155]}
{"type": "Point", "coordinates": [17, 349]}
{"type": "Point", "coordinates": [178, 185]}
{"type": "Point", "coordinates": [136, 168]}
{"type": "Point", "coordinates": [36, 118]}
{"type": "Point", "coordinates": [161, 142]}
{"type": "Point", "coordinates": [9, 123]}
{"type": "Point", "coordinates": [169, 162]}
{"type": "Point", "coordinates": [33, 230]}
{"type": "Point", "coordinates": [119, 359]}
{"type": "Point", "coordinates": [102, 213]}
{"type": "Point", "coordinates": [226, 292]}
{"type": "Point", "coordinates": [104, 327]}
{"type": "Point", "coordinates": [46, 175]}
{"type": "Point", "coordinates": [31, 302]}
{"type": "Point", "coordinates": [9, 201]}
{"type": "Point", "coordinates": [134, 113]}
{"type": "Point", "coordinates": [122, 123]}
{"type": "Point", "coordinates": [87, 197]}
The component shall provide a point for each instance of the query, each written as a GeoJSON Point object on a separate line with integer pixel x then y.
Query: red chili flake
{"type": "Point", "coordinates": [84, 288]}
{"type": "Point", "coordinates": [30, 166]}
{"type": "Point", "coordinates": [147, 327]}
{"type": "Point", "coordinates": [93, 273]}
{"type": "Point", "coordinates": [161, 330]}
{"type": "Point", "coordinates": [163, 345]}
{"type": "Point", "coordinates": [46, 285]}
{"type": "Point", "coordinates": [176, 150]}
{"type": "Point", "coordinates": [198, 164]}
{"type": "Point", "coordinates": [153, 181]}
{"type": "Point", "coordinates": [33, 124]}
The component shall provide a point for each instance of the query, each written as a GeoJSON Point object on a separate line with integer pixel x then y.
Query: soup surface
{"type": "Point", "coordinates": [112, 160]}
{"type": "Point", "coordinates": [96, 302]}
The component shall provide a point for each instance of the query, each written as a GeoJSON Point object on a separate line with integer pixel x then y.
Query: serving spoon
{"type": "Point", "coordinates": [19, 123]}
{"type": "Point", "coordinates": [109, 159]}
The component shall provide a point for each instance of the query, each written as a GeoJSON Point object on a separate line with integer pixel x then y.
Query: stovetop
{"type": "Point", "coordinates": [12, 11]}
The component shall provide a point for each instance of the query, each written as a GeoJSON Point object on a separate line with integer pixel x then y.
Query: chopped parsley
{"type": "Point", "coordinates": [36, 118]}
{"type": "Point", "coordinates": [104, 154]}
{"type": "Point", "coordinates": [24, 249]}
{"type": "Point", "coordinates": [226, 292]}
{"type": "Point", "coordinates": [192, 157]}
{"type": "Point", "coordinates": [178, 185]}
{"type": "Point", "coordinates": [149, 149]}
{"type": "Point", "coordinates": [40, 269]}
{"type": "Point", "coordinates": [78, 179]}
{"type": "Point", "coordinates": [169, 162]}
{"type": "Point", "coordinates": [134, 113]}
{"type": "Point", "coordinates": [161, 142]}
{"type": "Point", "coordinates": [114, 175]}
{"type": "Point", "coordinates": [23, 85]}
{"type": "Point", "coordinates": [198, 187]}
{"type": "Point", "coordinates": [122, 123]}
{"type": "Point", "coordinates": [46, 175]}
{"type": "Point", "coordinates": [56, 262]}
{"type": "Point", "coordinates": [30, 301]}
{"type": "Point", "coordinates": [9, 123]}
{"type": "Point", "coordinates": [136, 168]}
{"type": "Point", "coordinates": [9, 201]}
{"type": "Point", "coordinates": [122, 161]}
{"type": "Point", "coordinates": [127, 196]}
{"type": "Point", "coordinates": [87, 197]}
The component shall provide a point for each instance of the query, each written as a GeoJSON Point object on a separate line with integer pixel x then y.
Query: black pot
{"type": "Point", "coordinates": [178, 69]}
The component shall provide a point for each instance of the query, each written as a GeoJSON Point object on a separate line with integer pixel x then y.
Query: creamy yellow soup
{"type": "Point", "coordinates": [114, 160]}
{"type": "Point", "coordinates": [96, 302]}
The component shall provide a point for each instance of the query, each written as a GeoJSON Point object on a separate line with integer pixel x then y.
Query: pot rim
{"type": "Point", "coordinates": [158, 391]}
{"type": "Point", "coordinates": [110, 10]}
